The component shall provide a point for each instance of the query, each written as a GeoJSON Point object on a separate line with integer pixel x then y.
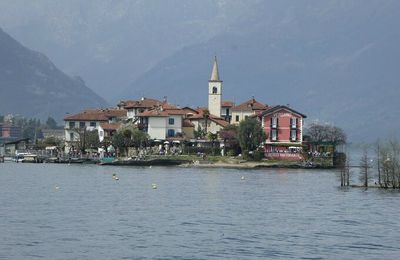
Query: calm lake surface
{"type": "Point", "coordinates": [193, 213]}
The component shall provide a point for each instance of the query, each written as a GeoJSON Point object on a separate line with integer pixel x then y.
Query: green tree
{"type": "Point", "coordinates": [229, 135]}
{"type": "Point", "coordinates": [51, 123]}
{"type": "Point", "coordinates": [139, 138]}
{"type": "Point", "coordinates": [129, 136]}
{"type": "Point", "coordinates": [199, 133]}
{"type": "Point", "coordinates": [1, 119]}
{"type": "Point", "coordinates": [206, 116]}
{"type": "Point", "coordinates": [51, 141]}
{"type": "Point", "coordinates": [30, 128]}
{"type": "Point", "coordinates": [92, 140]}
{"type": "Point", "coordinates": [250, 136]}
{"type": "Point", "coordinates": [120, 141]}
{"type": "Point", "coordinates": [87, 139]}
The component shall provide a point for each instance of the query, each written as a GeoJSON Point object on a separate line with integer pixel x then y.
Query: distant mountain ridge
{"type": "Point", "coordinates": [335, 61]}
{"type": "Point", "coordinates": [32, 86]}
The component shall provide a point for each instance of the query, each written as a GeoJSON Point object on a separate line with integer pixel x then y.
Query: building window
{"type": "Point", "coordinates": [215, 90]}
{"type": "Point", "coordinates": [274, 135]}
{"type": "Point", "coordinates": [71, 136]}
{"type": "Point", "coordinates": [293, 122]}
{"type": "Point", "coordinates": [274, 122]}
{"type": "Point", "coordinates": [171, 121]}
{"type": "Point", "coordinates": [81, 124]}
{"type": "Point", "coordinates": [237, 118]}
{"type": "Point", "coordinates": [92, 124]}
{"type": "Point", "coordinates": [71, 125]}
{"type": "Point", "coordinates": [171, 133]}
{"type": "Point", "coordinates": [245, 117]}
{"type": "Point", "coordinates": [293, 135]}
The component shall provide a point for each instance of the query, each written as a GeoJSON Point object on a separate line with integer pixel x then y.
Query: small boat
{"type": "Point", "coordinates": [27, 158]}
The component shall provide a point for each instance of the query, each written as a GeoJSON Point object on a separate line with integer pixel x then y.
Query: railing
{"type": "Point", "coordinates": [284, 155]}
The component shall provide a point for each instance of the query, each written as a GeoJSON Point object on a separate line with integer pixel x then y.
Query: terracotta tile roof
{"type": "Point", "coordinates": [214, 118]}
{"type": "Point", "coordinates": [227, 103]}
{"type": "Point", "coordinates": [219, 121]}
{"type": "Point", "coordinates": [110, 126]}
{"type": "Point", "coordinates": [166, 106]}
{"type": "Point", "coordinates": [189, 110]}
{"type": "Point", "coordinates": [154, 113]}
{"type": "Point", "coordinates": [251, 105]}
{"type": "Point", "coordinates": [281, 107]}
{"type": "Point", "coordinates": [165, 109]}
{"type": "Point", "coordinates": [176, 111]}
{"type": "Point", "coordinates": [142, 103]}
{"type": "Point", "coordinates": [97, 115]}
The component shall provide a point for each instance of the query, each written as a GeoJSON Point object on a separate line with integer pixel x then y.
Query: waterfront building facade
{"type": "Point", "coordinates": [162, 122]}
{"type": "Point", "coordinates": [283, 128]}
{"type": "Point", "coordinates": [247, 109]}
{"type": "Point", "coordinates": [89, 120]}
{"type": "Point", "coordinates": [134, 107]}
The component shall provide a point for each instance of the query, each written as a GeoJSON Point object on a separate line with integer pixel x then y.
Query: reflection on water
{"type": "Point", "coordinates": [193, 213]}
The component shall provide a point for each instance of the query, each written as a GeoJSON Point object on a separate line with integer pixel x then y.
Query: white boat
{"type": "Point", "coordinates": [25, 157]}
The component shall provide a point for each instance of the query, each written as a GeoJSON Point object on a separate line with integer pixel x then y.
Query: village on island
{"type": "Point", "coordinates": [148, 131]}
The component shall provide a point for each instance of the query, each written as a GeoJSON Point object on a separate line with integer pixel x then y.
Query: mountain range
{"type": "Point", "coordinates": [32, 86]}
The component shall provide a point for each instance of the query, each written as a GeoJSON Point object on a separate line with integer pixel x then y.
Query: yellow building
{"type": "Point", "coordinates": [246, 109]}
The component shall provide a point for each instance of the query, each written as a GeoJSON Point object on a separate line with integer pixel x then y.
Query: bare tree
{"type": "Point", "coordinates": [86, 139]}
{"type": "Point", "coordinates": [365, 168]}
{"type": "Point", "coordinates": [345, 171]}
{"type": "Point", "coordinates": [319, 133]}
{"type": "Point", "coordinates": [389, 164]}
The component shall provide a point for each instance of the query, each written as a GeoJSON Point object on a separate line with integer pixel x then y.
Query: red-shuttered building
{"type": "Point", "coordinates": [283, 127]}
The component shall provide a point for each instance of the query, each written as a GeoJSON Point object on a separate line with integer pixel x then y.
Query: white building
{"type": "Point", "coordinates": [89, 120]}
{"type": "Point", "coordinates": [162, 122]}
{"type": "Point", "coordinates": [134, 107]}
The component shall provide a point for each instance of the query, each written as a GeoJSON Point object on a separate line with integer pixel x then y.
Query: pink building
{"type": "Point", "coordinates": [283, 127]}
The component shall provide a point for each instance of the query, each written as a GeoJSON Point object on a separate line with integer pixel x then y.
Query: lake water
{"type": "Point", "coordinates": [193, 213]}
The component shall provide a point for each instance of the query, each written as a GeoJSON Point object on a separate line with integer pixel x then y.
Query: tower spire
{"type": "Point", "coordinates": [214, 73]}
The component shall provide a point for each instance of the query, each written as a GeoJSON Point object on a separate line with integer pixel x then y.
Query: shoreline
{"type": "Point", "coordinates": [254, 165]}
{"type": "Point", "coordinates": [187, 162]}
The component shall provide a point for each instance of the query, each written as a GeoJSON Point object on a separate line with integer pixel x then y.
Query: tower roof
{"type": "Point", "coordinates": [214, 73]}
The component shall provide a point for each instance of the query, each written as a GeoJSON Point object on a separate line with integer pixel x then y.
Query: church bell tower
{"type": "Point", "coordinates": [215, 91]}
